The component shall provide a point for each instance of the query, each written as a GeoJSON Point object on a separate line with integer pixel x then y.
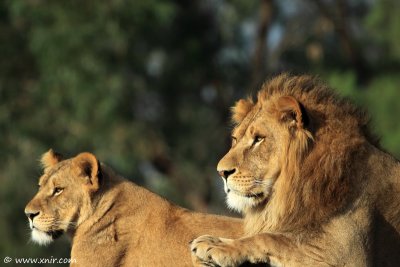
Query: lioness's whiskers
{"type": "Point", "coordinates": [65, 223]}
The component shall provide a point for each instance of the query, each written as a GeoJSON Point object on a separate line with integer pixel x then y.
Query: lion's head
{"type": "Point", "coordinates": [65, 195]}
{"type": "Point", "coordinates": [290, 150]}
{"type": "Point", "coordinates": [259, 143]}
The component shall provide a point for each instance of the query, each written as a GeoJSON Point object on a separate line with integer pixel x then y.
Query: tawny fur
{"type": "Point", "coordinates": [113, 222]}
{"type": "Point", "coordinates": [335, 199]}
{"type": "Point", "coordinates": [241, 108]}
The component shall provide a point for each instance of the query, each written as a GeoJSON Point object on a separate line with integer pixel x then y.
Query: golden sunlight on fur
{"type": "Point", "coordinates": [111, 221]}
{"type": "Point", "coordinates": [311, 181]}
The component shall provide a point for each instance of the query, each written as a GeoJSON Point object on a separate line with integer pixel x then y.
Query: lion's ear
{"type": "Point", "coordinates": [89, 168]}
{"type": "Point", "coordinates": [290, 111]}
{"type": "Point", "coordinates": [241, 109]}
{"type": "Point", "coordinates": [50, 158]}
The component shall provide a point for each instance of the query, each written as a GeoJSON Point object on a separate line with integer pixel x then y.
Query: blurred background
{"type": "Point", "coordinates": [147, 86]}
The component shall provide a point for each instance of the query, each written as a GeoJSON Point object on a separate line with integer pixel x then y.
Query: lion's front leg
{"type": "Point", "coordinates": [214, 251]}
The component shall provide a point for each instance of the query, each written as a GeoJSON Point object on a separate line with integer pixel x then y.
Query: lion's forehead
{"type": "Point", "coordinates": [254, 122]}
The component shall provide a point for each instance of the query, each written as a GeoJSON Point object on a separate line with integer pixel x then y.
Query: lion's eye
{"type": "Point", "coordinates": [257, 139]}
{"type": "Point", "coordinates": [57, 191]}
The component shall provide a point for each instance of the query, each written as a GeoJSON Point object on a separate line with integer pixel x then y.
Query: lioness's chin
{"type": "Point", "coordinates": [43, 238]}
{"type": "Point", "coordinates": [241, 203]}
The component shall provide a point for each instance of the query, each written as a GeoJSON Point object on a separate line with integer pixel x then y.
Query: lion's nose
{"type": "Point", "coordinates": [31, 214]}
{"type": "Point", "coordinates": [226, 173]}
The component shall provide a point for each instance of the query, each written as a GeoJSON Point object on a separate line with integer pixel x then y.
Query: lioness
{"type": "Point", "coordinates": [112, 221]}
{"type": "Point", "coordinates": [311, 181]}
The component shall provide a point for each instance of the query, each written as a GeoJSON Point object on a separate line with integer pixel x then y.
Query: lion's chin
{"type": "Point", "coordinates": [241, 203]}
{"type": "Point", "coordinates": [44, 238]}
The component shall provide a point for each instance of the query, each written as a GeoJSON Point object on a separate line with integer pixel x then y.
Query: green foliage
{"type": "Point", "coordinates": [384, 23]}
{"type": "Point", "coordinates": [382, 100]}
{"type": "Point", "coordinates": [344, 82]}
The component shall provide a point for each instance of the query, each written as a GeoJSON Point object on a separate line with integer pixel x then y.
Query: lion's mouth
{"type": "Point", "coordinates": [247, 195]}
{"type": "Point", "coordinates": [258, 195]}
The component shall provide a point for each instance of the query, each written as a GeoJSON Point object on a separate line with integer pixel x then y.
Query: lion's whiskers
{"type": "Point", "coordinates": [259, 182]}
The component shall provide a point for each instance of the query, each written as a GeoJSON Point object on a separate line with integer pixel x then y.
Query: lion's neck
{"type": "Point", "coordinates": [309, 191]}
{"type": "Point", "coordinates": [291, 212]}
{"type": "Point", "coordinates": [384, 171]}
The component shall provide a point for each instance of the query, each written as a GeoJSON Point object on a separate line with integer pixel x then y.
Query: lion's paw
{"type": "Point", "coordinates": [213, 251]}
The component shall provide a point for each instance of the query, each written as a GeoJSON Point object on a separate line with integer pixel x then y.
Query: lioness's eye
{"type": "Point", "coordinates": [234, 140]}
{"type": "Point", "coordinates": [57, 191]}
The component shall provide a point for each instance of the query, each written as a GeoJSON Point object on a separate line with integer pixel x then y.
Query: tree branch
{"type": "Point", "coordinates": [259, 57]}
{"type": "Point", "coordinates": [349, 46]}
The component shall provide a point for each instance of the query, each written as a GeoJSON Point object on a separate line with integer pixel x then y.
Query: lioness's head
{"type": "Point", "coordinates": [264, 132]}
{"type": "Point", "coordinates": [65, 192]}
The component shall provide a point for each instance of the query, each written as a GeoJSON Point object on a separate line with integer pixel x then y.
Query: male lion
{"type": "Point", "coordinates": [113, 222]}
{"type": "Point", "coordinates": [313, 185]}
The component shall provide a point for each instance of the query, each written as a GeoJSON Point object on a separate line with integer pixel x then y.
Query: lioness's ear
{"type": "Point", "coordinates": [50, 158]}
{"type": "Point", "coordinates": [290, 111]}
{"type": "Point", "coordinates": [241, 109]}
{"type": "Point", "coordinates": [89, 168]}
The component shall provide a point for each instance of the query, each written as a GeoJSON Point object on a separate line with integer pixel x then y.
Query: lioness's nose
{"type": "Point", "coordinates": [31, 214]}
{"type": "Point", "coordinates": [226, 173]}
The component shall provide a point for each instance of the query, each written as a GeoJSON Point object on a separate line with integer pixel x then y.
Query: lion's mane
{"type": "Point", "coordinates": [315, 180]}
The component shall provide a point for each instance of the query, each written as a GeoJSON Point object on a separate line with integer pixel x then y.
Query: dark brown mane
{"type": "Point", "coordinates": [318, 177]}
{"type": "Point", "coordinates": [319, 99]}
